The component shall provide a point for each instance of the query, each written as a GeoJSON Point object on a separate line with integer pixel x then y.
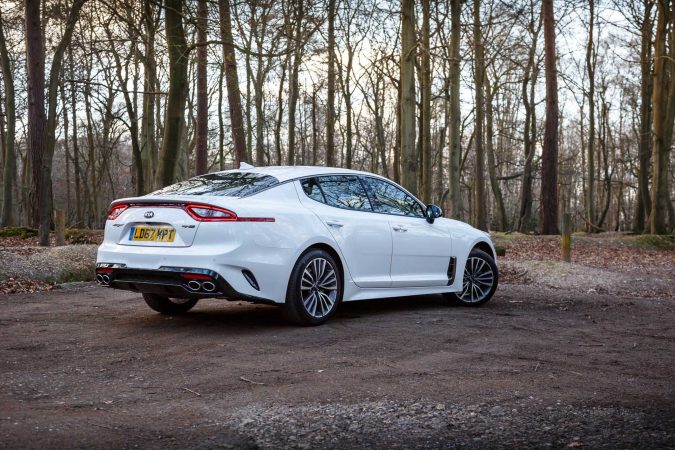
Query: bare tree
{"type": "Point", "coordinates": [178, 91]}
{"type": "Point", "coordinates": [9, 169]}
{"type": "Point", "coordinates": [454, 141]}
{"type": "Point", "coordinates": [232, 80]}
{"type": "Point", "coordinates": [409, 155]}
{"type": "Point", "coordinates": [643, 201]}
{"type": "Point", "coordinates": [479, 218]}
{"type": "Point", "coordinates": [549, 157]}
{"type": "Point", "coordinates": [663, 100]}
{"type": "Point", "coordinates": [425, 88]}
{"type": "Point", "coordinates": [330, 103]}
{"type": "Point", "coordinates": [202, 125]}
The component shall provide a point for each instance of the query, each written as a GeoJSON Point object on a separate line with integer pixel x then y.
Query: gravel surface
{"type": "Point", "coordinates": [49, 264]}
{"type": "Point", "coordinates": [88, 367]}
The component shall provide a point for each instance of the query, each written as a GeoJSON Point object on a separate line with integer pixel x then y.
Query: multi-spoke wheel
{"type": "Point", "coordinates": [169, 305]}
{"type": "Point", "coordinates": [480, 280]}
{"type": "Point", "coordinates": [314, 290]}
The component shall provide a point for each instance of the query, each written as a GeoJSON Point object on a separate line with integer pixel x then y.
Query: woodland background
{"type": "Point", "coordinates": [504, 113]}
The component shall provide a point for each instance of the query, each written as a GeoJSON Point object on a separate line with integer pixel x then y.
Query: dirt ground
{"type": "Point", "coordinates": [553, 361]}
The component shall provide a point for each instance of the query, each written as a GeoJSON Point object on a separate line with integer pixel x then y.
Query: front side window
{"type": "Point", "coordinates": [390, 199]}
{"type": "Point", "coordinates": [229, 184]}
{"type": "Point", "coordinates": [345, 191]}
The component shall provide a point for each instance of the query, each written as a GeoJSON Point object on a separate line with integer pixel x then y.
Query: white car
{"type": "Point", "coordinates": [306, 238]}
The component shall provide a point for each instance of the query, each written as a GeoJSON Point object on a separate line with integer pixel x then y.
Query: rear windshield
{"type": "Point", "coordinates": [232, 184]}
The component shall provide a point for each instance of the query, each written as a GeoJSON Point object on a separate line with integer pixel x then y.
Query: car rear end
{"type": "Point", "coordinates": [201, 244]}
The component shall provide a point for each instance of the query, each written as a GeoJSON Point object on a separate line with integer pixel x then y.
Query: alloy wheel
{"type": "Point", "coordinates": [478, 280]}
{"type": "Point", "coordinates": [319, 287]}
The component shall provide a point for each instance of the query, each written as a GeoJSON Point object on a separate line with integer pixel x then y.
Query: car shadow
{"type": "Point", "coordinates": [246, 317]}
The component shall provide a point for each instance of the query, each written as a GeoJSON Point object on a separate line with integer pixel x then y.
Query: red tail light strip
{"type": "Point", "coordinates": [192, 209]}
{"type": "Point", "coordinates": [196, 276]}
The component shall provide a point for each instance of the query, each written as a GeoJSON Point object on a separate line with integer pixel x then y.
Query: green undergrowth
{"type": "Point", "coordinates": [20, 232]}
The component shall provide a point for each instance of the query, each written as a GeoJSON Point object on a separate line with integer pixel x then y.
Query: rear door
{"type": "Point", "coordinates": [364, 238]}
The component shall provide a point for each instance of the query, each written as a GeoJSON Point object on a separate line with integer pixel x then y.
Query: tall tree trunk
{"type": "Point", "coordinates": [76, 150]}
{"type": "Point", "coordinates": [232, 81]}
{"type": "Point", "coordinates": [479, 203]}
{"type": "Point", "coordinates": [454, 140]}
{"type": "Point", "coordinates": [663, 100]}
{"type": "Point", "coordinates": [315, 130]}
{"type": "Point", "coordinates": [9, 169]}
{"type": "Point", "coordinates": [45, 194]}
{"type": "Point", "coordinates": [178, 91]}
{"type": "Point", "coordinates": [202, 121]}
{"type": "Point", "coordinates": [502, 222]}
{"type": "Point", "coordinates": [643, 201]}
{"type": "Point", "coordinates": [330, 102]}
{"type": "Point", "coordinates": [425, 88]}
{"type": "Point", "coordinates": [133, 120]}
{"type": "Point", "coordinates": [293, 79]}
{"type": "Point", "coordinates": [35, 71]}
{"type": "Point", "coordinates": [530, 130]}
{"type": "Point", "coordinates": [409, 154]}
{"type": "Point", "coordinates": [221, 123]}
{"type": "Point", "coordinates": [148, 138]}
{"type": "Point", "coordinates": [549, 157]}
{"type": "Point", "coordinates": [590, 153]}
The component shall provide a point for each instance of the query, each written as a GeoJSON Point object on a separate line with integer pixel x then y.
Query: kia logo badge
{"type": "Point", "coordinates": [149, 214]}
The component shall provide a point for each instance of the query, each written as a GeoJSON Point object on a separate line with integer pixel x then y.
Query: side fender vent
{"type": "Point", "coordinates": [251, 279]}
{"type": "Point", "coordinates": [452, 266]}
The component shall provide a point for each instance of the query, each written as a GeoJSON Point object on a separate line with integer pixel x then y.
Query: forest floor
{"type": "Point", "coordinates": [565, 355]}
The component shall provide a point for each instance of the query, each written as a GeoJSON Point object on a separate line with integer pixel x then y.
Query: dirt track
{"type": "Point", "coordinates": [91, 367]}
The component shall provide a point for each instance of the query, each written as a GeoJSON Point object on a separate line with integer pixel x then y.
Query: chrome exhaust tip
{"type": "Point", "coordinates": [105, 280]}
{"type": "Point", "coordinates": [99, 278]}
{"type": "Point", "coordinates": [194, 285]}
{"type": "Point", "coordinates": [208, 286]}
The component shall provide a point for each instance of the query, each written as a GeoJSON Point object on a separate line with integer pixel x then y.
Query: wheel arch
{"type": "Point", "coordinates": [332, 252]}
{"type": "Point", "coordinates": [487, 248]}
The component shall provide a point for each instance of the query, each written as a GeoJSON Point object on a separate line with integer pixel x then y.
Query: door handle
{"type": "Point", "coordinates": [334, 223]}
{"type": "Point", "coordinates": [400, 228]}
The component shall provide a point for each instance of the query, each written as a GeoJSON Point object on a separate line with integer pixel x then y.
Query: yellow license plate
{"type": "Point", "coordinates": [156, 234]}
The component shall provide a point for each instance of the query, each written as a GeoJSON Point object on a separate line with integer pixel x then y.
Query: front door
{"type": "Point", "coordinates": [421, 250]}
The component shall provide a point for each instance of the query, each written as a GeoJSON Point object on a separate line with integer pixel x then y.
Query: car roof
{"type": "Point", "coordinates": [284, 173]}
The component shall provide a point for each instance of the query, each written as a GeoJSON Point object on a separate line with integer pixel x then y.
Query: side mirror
{"type": "Point", "coordinates": [432, 213]}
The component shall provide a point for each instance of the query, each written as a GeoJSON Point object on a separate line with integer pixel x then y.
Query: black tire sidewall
{"type": "Point", "coordinates": [477, 253]}
{"type": "Point", "coordinates": [294, 307]}
{"type": "Point", "coordinates": [164, 305]}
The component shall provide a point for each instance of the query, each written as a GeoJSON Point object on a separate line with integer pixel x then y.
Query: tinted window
{"type": "Point", "coordinates": [312, 189]}
{"type": "Point", "coordinates": [345, 192]}
{"type": "Point", "coordinates": [231, 184]}
{"type": "Point", "coordinates": [390, 199]}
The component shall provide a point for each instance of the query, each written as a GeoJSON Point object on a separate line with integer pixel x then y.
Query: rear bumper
{"type": "Point", "coordinates": [169, 281]}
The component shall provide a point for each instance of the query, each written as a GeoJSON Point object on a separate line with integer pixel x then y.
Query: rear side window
{"type": "Point", "coordinates": [230, 184]}
{"type": "Point", "coordinates": [345, 191]}
{"type": "Point", "coordinates": [312, 189]}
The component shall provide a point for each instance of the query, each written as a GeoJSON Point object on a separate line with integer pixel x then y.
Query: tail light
{"type": "Point", "coordinates": [209, 213]}
{"type": "Point", "coordinates": [116, 210]}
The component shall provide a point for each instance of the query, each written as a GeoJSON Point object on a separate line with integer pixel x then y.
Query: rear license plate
{"type": "Point", "coordinates": [156, 234]}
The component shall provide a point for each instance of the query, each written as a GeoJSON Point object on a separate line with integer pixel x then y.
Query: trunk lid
{"type": "Point", "coordinates": [158, 221]}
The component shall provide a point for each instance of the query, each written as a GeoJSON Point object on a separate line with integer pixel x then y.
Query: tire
{"type": "Point", "coordinates": [311, 301]}
{"type": "Point", "coordinates": [168, 306]}
{"type": "Point", "coordinates": [480, 280]}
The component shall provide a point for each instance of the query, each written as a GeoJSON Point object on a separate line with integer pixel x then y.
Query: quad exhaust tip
{"type": "Point", "coordinates": [103, 279]}
{"type": "Point", "coordinates": [208, 286]}
{"type": "Point", "coordinates": [194, 285]}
